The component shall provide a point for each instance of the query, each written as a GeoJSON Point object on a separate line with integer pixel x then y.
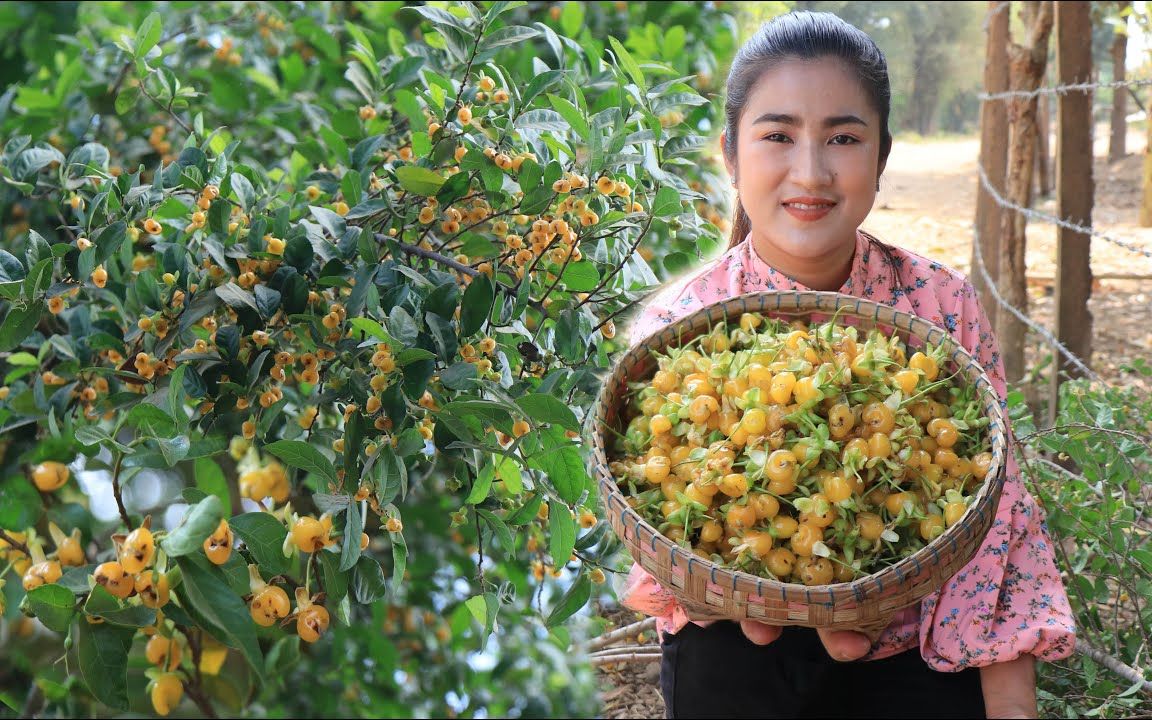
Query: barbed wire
{"type": "Point", "coordinates": [1061, 89]}
{"type": "Point", "coordinates": [978, 256]}
{"type": "Point", "coordinates": [1029, 212]}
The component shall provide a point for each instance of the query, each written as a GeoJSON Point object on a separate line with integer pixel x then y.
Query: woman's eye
{"type": "Point", "coordinates": [847, 140]}
{"type": "Point", "coordinates": [776, 137]}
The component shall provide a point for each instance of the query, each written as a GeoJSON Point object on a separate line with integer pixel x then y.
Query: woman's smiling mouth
{"type": "Point", "coordinates": [808, 208]}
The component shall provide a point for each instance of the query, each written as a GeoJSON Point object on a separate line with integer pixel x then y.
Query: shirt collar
{"type": "Point", "coordinates": [775, 280]}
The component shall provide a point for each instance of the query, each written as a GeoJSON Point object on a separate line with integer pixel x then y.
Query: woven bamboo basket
{"type": "Point", "coordinates": [709, 591]}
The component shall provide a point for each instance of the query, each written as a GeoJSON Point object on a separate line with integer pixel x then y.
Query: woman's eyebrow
{"type": "Point", "coordinates": [785, 119]}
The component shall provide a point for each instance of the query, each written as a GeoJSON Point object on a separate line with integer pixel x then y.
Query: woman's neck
{"type": "Point", "coordinates": [826, 272]}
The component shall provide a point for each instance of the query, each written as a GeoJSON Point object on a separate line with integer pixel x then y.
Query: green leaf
{"type": "Point", "coordinates": [264, 535]}
{"type": "Point", "coordinates": [371, 327]}
{"type": "Point", "coordinates": [298, 253]}
{"type": "Point", "coordinates": [572, 114]}
{"type": "Point", "coordinates": [174, 449]}
{"type": "Point", "coordinates": [302, 455]}
{"type": "Point", "coordinates": [148, 35]}
{"type": "Point", "coordinates": [20, 503]}
{"type": "Point", "coordinates": [236, 296]}
{"type": "Point", "coordinates": [335, 579]}
{"type": "Point", "coordinates": [576, 598]}
{"type": "Point", "coordinates": [526, 513]}
{"type": "Point", "coordinates": [541, 119]}
{"type": "Point", "coordinates": [52, 605]}
{"type": "Point", "coordinates": [245, 193]}
{"type": "Point", "coordinates": [561, 462]}
{"type": "Point", "coordinates": [457, 375]}
{"type": "Point", "coordinates": [561, 534]}
{"type": "Point", "coordinates": [503, 532]}
{"type": "Point", "coordinates": [482, 486]}
{"type": "Point", "coordinates": [580, 276]}
{"type": "Point", "coordinates": [476, 305]}
{"type": "Point", "coordinates": [103, 604]}
{"type": "Point", "coordinates": [10, 267]}
{"type": "Point", "coordinates": [19, 324]}
{"type": "Point", "coordinates": [207, 590]}
{"type": "Point", "coordinates": [199, 522]}
{"type": "Point", "coordinates": [399, 558]}
{"type": "Point", "coordinates": [103, 652]}
{"type": "Point", "coordinates": [542, 407]}
{"type": "Point", "coordinates": [509, 35]}
{"type": "Point", "coordinates": [667, 202]}
{"type": "Point", "coordinates": [350, 544]}
{"type": "Point", "coordinates": [210, 478]}
{"type": "Point", "coordinates": [368, 583]}
{"type": "Point", "coordinates": [508, 471]}
{"type": "Point", "coordinates": [418, 180]}
{"type": "Point", "coordinates": [628, 63]}
{"type": "Point", "coordinates": [402, 327]}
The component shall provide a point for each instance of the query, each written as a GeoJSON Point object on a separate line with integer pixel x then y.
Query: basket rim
{"type": "Point", "coordinates": [862, 589]}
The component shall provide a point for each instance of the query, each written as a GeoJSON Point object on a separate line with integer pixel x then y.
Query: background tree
{"type": "Point", "coordinates": [348, 263]}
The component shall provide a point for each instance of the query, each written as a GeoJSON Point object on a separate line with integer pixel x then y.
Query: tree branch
{"type": "Point", "coordinates": [1125, 671]}
{"type": "Point", "coordinates": [116, 491]}
{"type": "Point", "coordinates": [14, 543]}
{"type": "Point", "coordinates": [619, 634]}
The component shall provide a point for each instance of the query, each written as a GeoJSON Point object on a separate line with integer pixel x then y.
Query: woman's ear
{"type": "Point", "coordinates": [727, 154]}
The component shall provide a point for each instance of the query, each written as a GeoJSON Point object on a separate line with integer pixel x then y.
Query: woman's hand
{"type": "Point", "coordinates": [843, 645]}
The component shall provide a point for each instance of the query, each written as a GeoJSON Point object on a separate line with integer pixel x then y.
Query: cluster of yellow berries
{"type": "Point", "coordinates": [157, 141]}
{"type": "Point", "coordinates": [226, 54]}
{"type": "Point", "coordinates": [333, 320]}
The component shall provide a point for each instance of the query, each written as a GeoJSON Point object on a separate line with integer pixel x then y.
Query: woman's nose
{"type": "Point", "coordinates": [810, 166]}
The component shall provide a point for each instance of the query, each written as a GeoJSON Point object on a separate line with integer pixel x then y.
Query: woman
{"type": "Point", "coordinates": [806, 139]}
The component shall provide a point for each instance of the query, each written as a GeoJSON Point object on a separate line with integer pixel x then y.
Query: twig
{"type": "Point", "coordinates": [435, 257]}
{"type": "Point", "coordinates": [14, 543]}
{"type": "Point", "coordinates": [619, 634]}
{"type": "Point", "coordinates": [627, 650]}
{"type": "Point", "coordinates": [116, 491]}
{"type": "Point", "coordinates": [632, 657]}
{"type": "Point", "coordinates": [1125, 671]}
{"type": "Point", "coordinates": [168, 109]}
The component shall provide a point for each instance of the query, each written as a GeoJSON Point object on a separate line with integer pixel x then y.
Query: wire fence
{"type": "Point", "coordinates": [1112, 657]}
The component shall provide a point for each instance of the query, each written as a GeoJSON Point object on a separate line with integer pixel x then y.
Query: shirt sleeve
{"type": "Point", "coordinates": [1009, 600]}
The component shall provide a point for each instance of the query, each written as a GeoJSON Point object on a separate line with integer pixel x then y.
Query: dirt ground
{"type": "Point", "coordinates": [927, 204]}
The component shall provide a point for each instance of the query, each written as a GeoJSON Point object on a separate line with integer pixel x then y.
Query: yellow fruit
{"type": "Point", "coordinates": [166, 693]}
{"type": "Point", "coordinates": [50, 475]}
{"type": "Point", "coordinates": [464, 115]}
{"type": "Point", "coordinates": [163, 651]}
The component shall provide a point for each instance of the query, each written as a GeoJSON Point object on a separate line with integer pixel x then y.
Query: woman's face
{"type": "Point", "coordinates": [806, 162]}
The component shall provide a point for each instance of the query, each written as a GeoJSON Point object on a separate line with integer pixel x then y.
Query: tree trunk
{"type": "Point", "coordinates": [993, 156]}
{"type": "Point", "coordinates": [1043, 147]}
{"type": "Point", "coordinates": [1146, 201]}
{"type": "Point", "coordinates": [1026, 69]}
{"type": "Point", "coordinates": [1076, 190]}
{"type": "Point", "coordinates": [1116, 143]}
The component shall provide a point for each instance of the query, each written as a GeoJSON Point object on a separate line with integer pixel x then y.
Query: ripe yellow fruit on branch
{"type": "Point", "coordinates": [166, 693]}
{"type": "Point", "coordinates": [50, 476]}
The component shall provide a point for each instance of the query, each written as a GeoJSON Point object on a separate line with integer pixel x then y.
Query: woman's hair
{"type": "Point", "coordinates": [803, 36]}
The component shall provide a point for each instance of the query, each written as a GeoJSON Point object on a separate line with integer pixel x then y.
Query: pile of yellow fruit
{"type": "Point", "coordinates": [807, 454]}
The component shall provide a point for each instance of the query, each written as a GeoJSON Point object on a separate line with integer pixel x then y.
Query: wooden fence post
{"type": "Point", "coordinates": [993, 153]}
{"type": "Point", "coordinates": [1075, 188]}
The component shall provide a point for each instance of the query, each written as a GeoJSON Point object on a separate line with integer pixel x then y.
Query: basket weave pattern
{"type": "Point", "coordinates": [709, 591]}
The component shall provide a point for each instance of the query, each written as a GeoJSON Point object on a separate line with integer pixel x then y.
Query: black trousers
{"type": "Point", "coordinates": [716, 672]}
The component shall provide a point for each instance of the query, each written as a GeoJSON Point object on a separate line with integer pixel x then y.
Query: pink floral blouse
{"type": "Point", "coordinates": [1009, 600]}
